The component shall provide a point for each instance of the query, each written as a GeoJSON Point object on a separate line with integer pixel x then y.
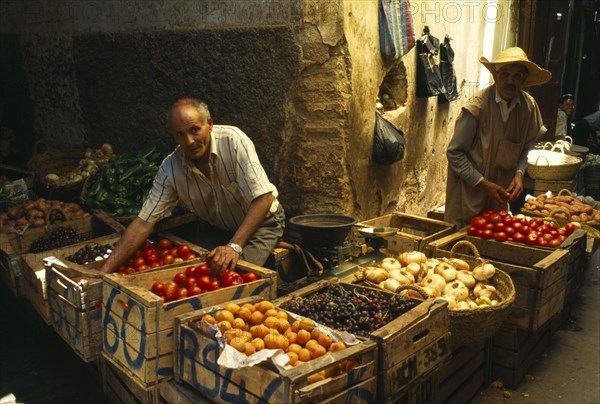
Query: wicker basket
{"type": "Point", "coordinates": [550, 165]}
{"type": "Point", "coordinates": [475, 325]}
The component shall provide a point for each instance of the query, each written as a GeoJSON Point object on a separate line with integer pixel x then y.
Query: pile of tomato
{"type": "Point", "coordinates": [196, 280]}
{"type": "Point", "coordinates": [156, 255]}
{"type": "Point", "coordinates": [500, 225]}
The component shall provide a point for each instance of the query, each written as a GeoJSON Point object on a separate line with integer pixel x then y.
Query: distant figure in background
{"type": "Point", "coordinates": [565, 108]}
{"type": "Point", "coordinates": [587, 132]}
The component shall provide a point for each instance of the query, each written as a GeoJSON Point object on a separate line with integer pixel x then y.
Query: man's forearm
{"type": "Point", "coordinates": [134, 236]}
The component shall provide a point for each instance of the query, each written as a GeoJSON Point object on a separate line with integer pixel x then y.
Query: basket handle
{"type": "Point", "coordinates": [55, 209]}
{"type": "Point", "coordinates": [544, 157]}
{"type": "Point", "coordinates": [568, 139]}
{"type": "Point", "coordinates": [547, 144]}
{"type": "Point", "coordinates": [416, 288]}
{"type": "Point", "coordinates": [566, 191]}
{"type": "Point", "coordinates": [560, 210]}
{"type": "Point", "coordinates": [465, 243]}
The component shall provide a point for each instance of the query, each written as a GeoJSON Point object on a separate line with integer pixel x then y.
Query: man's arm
{"type": "Point", "coordinates": [223, 257]}
{"type": "Point", "coordinates": [136, 233]}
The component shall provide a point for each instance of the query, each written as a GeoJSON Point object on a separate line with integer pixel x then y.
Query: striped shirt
{"type": "Point", "coordinates": [236, 179]}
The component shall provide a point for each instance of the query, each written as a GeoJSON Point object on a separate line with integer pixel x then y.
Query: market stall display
{"type": "Point", "coordinates": [318, 378]}
{"type": "Point", "coordinates": [129, 304]}
{"type": "Point", "coordinates": [552, 166]}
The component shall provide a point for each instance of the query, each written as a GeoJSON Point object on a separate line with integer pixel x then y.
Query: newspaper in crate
{"type": "Point", "coordinates": [232, 358]}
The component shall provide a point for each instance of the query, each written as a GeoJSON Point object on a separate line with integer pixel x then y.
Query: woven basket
{"type": "Point", "coordinates": [552, 166]}
{"type": "Point", "coordinates": [475, 325]}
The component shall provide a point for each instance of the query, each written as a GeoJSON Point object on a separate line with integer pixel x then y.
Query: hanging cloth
{"type": "Point", "coordinates": [429, 79]}
{"type": "Point", "coordinates": [396, 32]}
{"type": "Point", "coordinates": [447, 71]}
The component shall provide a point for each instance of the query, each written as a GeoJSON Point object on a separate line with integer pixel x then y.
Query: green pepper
{"type": "Point", "coordinates": [93, 190]}
{"type": "Point", "coordinates": [119, 190]}
{"type": "Point", "coordinates": [131, 171]}
{"type": "Point", "coordinates": [93, 203]}
{"type": "Point", "coordinates": [102, 195]}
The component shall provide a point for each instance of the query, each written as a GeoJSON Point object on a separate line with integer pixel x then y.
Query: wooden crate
{"type": "Point", "coordinates": [31, 293]}
{"type": "Point", "coordinates": [13, 245]}
{"type": "Point", "coordinates": [121, 386]}
{"type": "Point", "coordinates": [415, 231]}
{"type": "Point", "coordinates": [196, 365]}
{"type": "Point", "coordinates": [75, 300]}
{"type": "Point", "coordinates": [138, 326]}
{"type": "Point", "coordinates": [539, 275]}
{"type": "Point", "coordinates": [514, 351]}
{"type": "Point", "coordinates": [410, 346]}
{"type": "Point", "coordinates": [576, 244]}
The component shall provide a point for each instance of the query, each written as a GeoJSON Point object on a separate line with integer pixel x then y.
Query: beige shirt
{"type": "Point", "coordinates": [236, 179]}
{"type": "Point", "coordinates": [491, 149]}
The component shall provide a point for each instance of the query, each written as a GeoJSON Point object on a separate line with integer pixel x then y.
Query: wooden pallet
{"type": "Point", "coordinates": [415, 232]}
{"type": "Point", "coordinates": [138, 326]}
{"type": "Point", "coordinates": [197, 354]}
{"type": "Point", "coordinates": [539, 275]}
{"type": "Point", "coordinates": [410, 346]}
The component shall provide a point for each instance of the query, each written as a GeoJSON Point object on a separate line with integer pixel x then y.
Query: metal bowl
{"type": "Point", "coordinates": [324, 229]}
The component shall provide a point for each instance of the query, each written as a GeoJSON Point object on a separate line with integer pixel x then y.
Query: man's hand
{"type": "Point", "coordinates": [222, 258]}
{"type": "Point", "coordinates": [515, 187]}
{"type": "Point", "coordinates": [495, 191]}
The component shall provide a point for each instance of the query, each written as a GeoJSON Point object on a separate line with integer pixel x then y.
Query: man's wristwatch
{"type": "Point", "coordinates": [235, 247]}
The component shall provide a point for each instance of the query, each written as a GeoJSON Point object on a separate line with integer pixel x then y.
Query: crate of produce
{"type": "Point", "coordinates": [414, 232]}
{"type": "Point", "coordinates": [316, 370]}
{"type": "Point", "coordinates": [410, 345]}
{"type": "Point", "coordinates": [539, 275]}
{"type": "Point", "coordinates": [40, 239]}
{"type": "Point", "coordinates": [138, 324]}
{"type": "Point", "coordinates": [120, 385]}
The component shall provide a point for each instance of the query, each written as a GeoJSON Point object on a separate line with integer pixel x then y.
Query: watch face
{"type": "Point", "coordinates": [235, 247]}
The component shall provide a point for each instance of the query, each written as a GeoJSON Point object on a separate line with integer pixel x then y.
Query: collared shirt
{"type": "Point", "coordinates": [561, 124]}
{"type": "Point", "coordinates": [236, 179]}
{"type": "Point", "coordinates": [505, 108]}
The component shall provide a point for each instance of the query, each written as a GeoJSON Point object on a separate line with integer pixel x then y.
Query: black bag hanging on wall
{"type": "Point", "coordinates": [447, 71]}
{"type": "Point", "coordinates": [388, 145]}
{"type": "Point", "coordinates": [429, 79]}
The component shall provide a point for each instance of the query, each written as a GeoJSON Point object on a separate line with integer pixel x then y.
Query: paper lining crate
{"type": "Point", "coordinates": [13, 245]}
{"type": "Point", "coordinates": [138, 326]}
{"type": "Point", "coordinates": [415, 231]}
{"type": "Point", "coordinates": [196, 365]}
{"type": "Point", "coordinates": [539, 275]}
{"type": "Point", "coordinates": [410, 346]}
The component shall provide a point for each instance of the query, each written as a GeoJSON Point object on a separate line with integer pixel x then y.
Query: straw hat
{"type": "Point", "coordinates": [536, 76]}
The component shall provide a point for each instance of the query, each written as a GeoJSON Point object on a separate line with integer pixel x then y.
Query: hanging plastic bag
{"type": "Point", "coordinates": [429, 79]}
{"type": "Point", "coordinates": [396, 33]}
{"type": "Point", "coordinates": [388, 145]}
{"type": "Point", "coordinates": [447, 71]}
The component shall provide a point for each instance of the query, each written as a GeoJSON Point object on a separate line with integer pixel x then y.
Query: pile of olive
{"type": "Point", "coordinates": [91, 252]}
{"type": "Point", "coordinates": [59, 237]}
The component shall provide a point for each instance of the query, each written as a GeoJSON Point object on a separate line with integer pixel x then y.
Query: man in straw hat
{"type": "Point", "coordinates": [487, 155]}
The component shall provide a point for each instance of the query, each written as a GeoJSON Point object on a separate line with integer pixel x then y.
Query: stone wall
{"type": "Point", "coordinates": [300, 77]}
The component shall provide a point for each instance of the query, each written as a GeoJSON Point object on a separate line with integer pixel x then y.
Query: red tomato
{"type": "Point", "coordinates": [202, 270]}
{"type": "Point", "coordinates": [182, 293]}
{"type": "Point", "coordinates": [130, 270]}
{"type": "Point", "coordinates": [479, 233]}
{"type": "Point", "coordinates": [509, 231]}
{"type": "Point", "coordinates": [214, 284]}
{"type": "Point", "coordinates": [547, 236]}
{"type": "Point", "coordinates": [141, 268]}
{"type": "Point", "coordinates": [147, 245]}
{"type": "Point", "coordinates": [570, 228]}
{"type": "Point", "coordinates": [150, 255]}
{"type": "Point", "coordinates": [231, 278]}
{"type": "Point", "coordinates": [250, 277]}
{"type": "Point", "coordinates": [500, 236]}
{"type": "Point", "coordinates": [507, 219]}
{"type": "Point", "coordinates": [494, 218]}
{"type": "Point", "coordinates": [190, 256]}
{"type": "Point", "coordinates": [168, 259]}
{"type": "Point", "coordinates": [173, 251]}
{"type": "Point", "coordinates": [478, 222]}
{"type": "Point", "coordinates": [531, 238]}
{"type": "Point", "coordinates": [164, 244]}
{"type": "Point", "coordinates": [519, 237]}
{"type": "Point", "coordinates": [183, 250]}
{"type": "Point", "coordinates": [155, 264]}
{"type": "Point", "coordinates": [189, 282]}
{"type": "Point", "coordinates": [203, 282]}
{"type": "Point", "coordinates": [177, 260]}
{"type": "Point", "coordinates": [518, 226]}
{"type": "Point", "coordinates": [525, 229]}
{"type": "Point", "coordinates": [487, 233]}
{"type": "Point", "coordinates": [138, 253]}
{"type": "Point", "coordinates": [190, 272]}
{"type": "Point", "coordinates": [179, 278]}
{"type": "Point", "coordinates": [194, 290]}
{"type": "Point", "coordinates": [499, 227]}
{"type": "Point", "coordinates": [561, 238]}
{"type": "Point", "coordinates": [158, 288]}
{"type": "Point", "coordinates": [542, 242]}
{"type": "Point", "coordinates": [503, 213]}
{"type": "Point", "coordinates": [554, 243]}
{"type": "Point", "coordinates": [562, 232]}
{"type": "Point", "coordinates": [171, 290]}
{"type": "Point", "coordinates": [472, 230]}
{"type": "Point", "coordinates": [138, 261]}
